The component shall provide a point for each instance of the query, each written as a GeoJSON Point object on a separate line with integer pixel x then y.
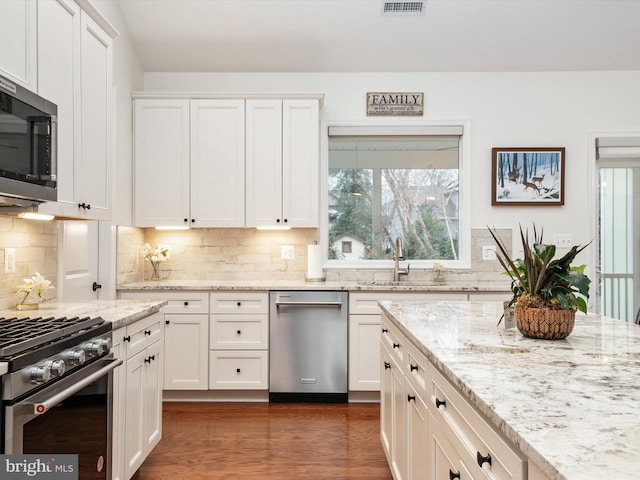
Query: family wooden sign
{"type": "Point", "coordinates": [400, 103]}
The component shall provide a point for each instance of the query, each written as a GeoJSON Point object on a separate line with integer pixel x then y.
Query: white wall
{"type": "Point", "coordinates": [539, 109]}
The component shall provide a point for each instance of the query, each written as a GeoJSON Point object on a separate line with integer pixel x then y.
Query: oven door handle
{"type": "Point", "coordinates": [42, 407]}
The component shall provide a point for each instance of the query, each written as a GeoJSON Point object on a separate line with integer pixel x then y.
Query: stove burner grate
{"type": "Point", "coordinates": [20, 334]}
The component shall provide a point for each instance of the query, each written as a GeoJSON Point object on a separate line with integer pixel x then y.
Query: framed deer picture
{"type": "Point", "coordinates": [527, 176]}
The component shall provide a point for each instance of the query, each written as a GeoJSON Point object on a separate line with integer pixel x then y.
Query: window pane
{"type": "Point", "coordinates": [381, 188]}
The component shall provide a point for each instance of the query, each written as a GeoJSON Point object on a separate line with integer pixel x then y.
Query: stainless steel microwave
{"type": "Point", "coordinates": [28, 146]}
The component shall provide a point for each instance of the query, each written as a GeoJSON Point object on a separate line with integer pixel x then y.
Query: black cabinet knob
{"type": "Point", "coordinates": [193, 220]}
{"type": "Point", "coordinates": [96, 286]}
{"type": "Point", "coordinates": [127, 338]}
{"type": "Point", "coordinates": [440, 403]}
{"type": "Point", "coordinates": [387, 365]}
{"type": "Point", "coordinates": [384, 330]}
{"type": "Point", "coordinates": [285, 220]}
{"type": "Point", "coordinates": [411, 398]}
{"type": "Point", "coordinates": [278, 220]}
{"type": "Point", "coordinates": [453, 475]}
{"type": "Point", "coordinates": [237, 370]}
{"type": "Point", "coordinates": [167, 322]}
{"type": "Point", "coordinates": [396, 345]}
{"type": "Point", "coordinates": [186, 220]}
{"type": "Point", "coordinates": [239, 332]}
{"type": "Point", "coordinates": [239, 304]}
{"type": "Point", "coordinates": [147, 360]}
{"type": "Point", "coordinates": [186, 304]}
{"type": "Point", "coordinates": [413, 367]}
{"type": "Point", "coordinates": [147, 332]}
{"type": "Point", "coordinates": [482, 460]}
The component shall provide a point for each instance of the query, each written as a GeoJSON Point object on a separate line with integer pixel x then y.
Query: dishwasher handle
{"type": "Point", "coordinates": [308, 304]}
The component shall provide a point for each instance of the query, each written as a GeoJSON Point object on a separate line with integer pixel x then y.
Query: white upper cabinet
{"type": "Point", "coordinates": [189, 157]}
{"type": "Point", "coordinates": [75, 73]}
{"type": "Point", "coordinates": [282, 163]}
{"type": "Point", "coordinates": [217, 163]}
{"type": "Point", "coordinates": [161, 154]}
{"type": "Point", "coordinates": [18, 42]}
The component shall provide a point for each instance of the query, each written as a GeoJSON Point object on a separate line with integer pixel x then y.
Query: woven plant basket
{"type": "Point", "coordinates": [545, 323]}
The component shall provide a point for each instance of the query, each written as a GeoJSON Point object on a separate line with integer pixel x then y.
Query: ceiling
{"type": "Point", "coordinates": [354, 36]}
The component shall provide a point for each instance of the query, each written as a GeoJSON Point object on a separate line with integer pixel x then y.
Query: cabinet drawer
{"type": "Point", "coordinates": [472, 436]}
{"type": "Point", "coordinates": [237, 332]}
{"type": "Point", "coordinates": [238, 370]}
{"type": "Point", "coordinates": [394, 341]}
{"type": "Point", "coordinates": [141, 334]}
{"type": "Point", "coordinates": [417, 370]}
{"type": "Point", "coordinates": [367, 303]}
{"type": "Point", "coordinates": [240, 302]}
{"type": "Point", "coordinates": [177, 302]}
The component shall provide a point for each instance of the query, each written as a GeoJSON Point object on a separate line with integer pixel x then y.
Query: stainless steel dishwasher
{"type": "Point", "coordinates": [308, 345]}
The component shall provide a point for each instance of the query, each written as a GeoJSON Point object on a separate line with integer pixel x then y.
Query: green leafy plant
{"type": "Point", "coordinates": [540, 281]}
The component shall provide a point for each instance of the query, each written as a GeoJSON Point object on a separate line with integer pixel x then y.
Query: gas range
{"type": "Point", "coordinates": [41, 350]}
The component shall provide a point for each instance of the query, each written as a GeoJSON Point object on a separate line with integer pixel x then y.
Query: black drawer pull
{"type": "Point", "coordinates": [440, 403]}
{"type": "Point", "coordinates": [167, 322]}
{"type": "Point", "coordinates": [385, 330]}
{"type": "Point", "coordinates": [239, 332]}
{"type": "Point", "coordinates": [387, 365]}
{"type": "Point", "coordinates": [396, 345]}
{"type": "Point", "coordinates": [237, 370]}
{"type": "Point", "coordinates": [127, 338]}
{"type": "Point", "coordinates": [147, 360]}
{"type": "Point", "coordinates": [239, 304]}
{"type": "Point", "coordinates": [147, 332]}
{"type": "Point", "coordinates": [411, 398]}
{"type": "Point", "coordinates": [413, 367]}
{"type": "Point", "coordinates": [482, 460]}
{"type": "Point", "coordinates": [453, 476]}
{"type": "Point", "coordinates": [193, 220]}
{"type": "Point", "coordinates": [186, 304]}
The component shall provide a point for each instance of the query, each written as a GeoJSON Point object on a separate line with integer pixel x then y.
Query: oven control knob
{"type": "Point", "coordinates": [56, 367]}
{"type": "Point", "coordinates": [40, 374]}
{"type": "Point", "coordinates": [94, 349]}
{"type": "Point", "coordinates": [75, 357]}
{"type": "Point", "coordinates": [105, 342]}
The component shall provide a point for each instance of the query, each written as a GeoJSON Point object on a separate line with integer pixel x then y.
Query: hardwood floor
{"type": "Point", "coordinates": [275, 441]}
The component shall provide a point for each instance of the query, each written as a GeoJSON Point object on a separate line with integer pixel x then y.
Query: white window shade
{"type": "Point", "coordinates": [618, 147]}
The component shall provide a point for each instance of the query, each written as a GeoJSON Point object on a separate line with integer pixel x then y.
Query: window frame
{"type": "Point", "coordinates": [464, 171]}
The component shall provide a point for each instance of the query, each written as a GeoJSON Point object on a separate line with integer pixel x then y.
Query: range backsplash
{"type": "Point", "coordinates": [244, 253]}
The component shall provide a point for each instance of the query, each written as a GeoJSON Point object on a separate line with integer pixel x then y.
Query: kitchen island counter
{"type": "Point", "coordinates": [570, 405]}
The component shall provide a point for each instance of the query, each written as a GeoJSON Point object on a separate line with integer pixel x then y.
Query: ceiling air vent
{"type": "Point", "coordinates": [403, 8]}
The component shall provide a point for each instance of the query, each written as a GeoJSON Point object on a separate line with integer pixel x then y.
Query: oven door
{"type": "Point", "coordinates": [72, 416]}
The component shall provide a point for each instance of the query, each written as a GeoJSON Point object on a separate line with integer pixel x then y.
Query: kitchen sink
{"type": "Point", "coordinates": [392, 283]}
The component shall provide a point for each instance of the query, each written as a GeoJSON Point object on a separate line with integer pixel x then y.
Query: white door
{"type": "Point", "coordinates": [618, 275]}
{"type": "Point", "coordinates": [78, 260]}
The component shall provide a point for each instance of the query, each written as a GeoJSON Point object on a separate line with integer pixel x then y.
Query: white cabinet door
{"type": "Point", "coordinates": [94, 164]}
{"type": "Point", "coordinates": [217, 163]}
{"type": "Point", "coordinates": [187, 352]}
{"type": "Point", "coordinates": [386, 391]}
{"type": "Point", "coordinates": [153, 380]}
{"type": "Point", "coordinates": [161, 162]}
{"type": "Point", "coordinates": [18, 42]}
{"type": "Point", "coordinates": [264, 163]}
{"type": "Point", "coordinates": [59, 82]}
{"type": "Point", "coordinates": [364, 352]}
{"type": "Point", "coordinates": [417, 424]}
{"type": "Point", "coordinates": [134, 425]}
{"type": "Point", "coordinates": [300, 163]}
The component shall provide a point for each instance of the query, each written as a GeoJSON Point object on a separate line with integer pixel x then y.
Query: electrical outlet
{"type": "Point", "coordinates": [9, 260]}
{"type": "Point", "coordinates": [562, 240]}
{"type": "Point", "coordinates": [286, 252]}
{"type": "Point", "coordinates": [488, 252]}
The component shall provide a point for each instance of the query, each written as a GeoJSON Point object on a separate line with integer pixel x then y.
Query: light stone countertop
{"type": "Point", "coordinates": [118, 312]}
{"type": "Point", "coordinates": [570, 405]}
{"type": "Point", "coordinates": [263, 285]}
{"type": "Point", "coordinates": [3, 368]}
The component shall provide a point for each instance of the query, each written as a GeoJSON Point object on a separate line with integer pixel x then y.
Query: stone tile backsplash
{"type": "Point", "coordinates": [241, 254]}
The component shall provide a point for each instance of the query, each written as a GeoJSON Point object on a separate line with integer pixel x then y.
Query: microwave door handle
{"type": "Point", "coordinates": [42, 407]}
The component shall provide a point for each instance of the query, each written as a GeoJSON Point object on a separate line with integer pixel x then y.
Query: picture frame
{"type": "Point", "coordinates": [527, 176]}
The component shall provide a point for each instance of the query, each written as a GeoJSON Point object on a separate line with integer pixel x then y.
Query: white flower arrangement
{"type": "Point", "coordinates": [36, 284]}
{"type": "Point", "coordinates": [156, 256]}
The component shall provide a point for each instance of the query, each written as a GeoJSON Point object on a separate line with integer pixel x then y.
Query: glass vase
{"type": "Point", "coordinates": [155, 273]}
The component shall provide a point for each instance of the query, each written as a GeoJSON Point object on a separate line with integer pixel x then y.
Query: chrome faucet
{"type": "Point", "coordinates": [397, 256]}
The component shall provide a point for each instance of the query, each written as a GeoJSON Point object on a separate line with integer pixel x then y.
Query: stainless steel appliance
{"type": "Point", "coordinates": [28, 146]}
{"type": "Point", "coordinates": [57, 396]}
{"type": "Point", "coordinates": [308, 346]}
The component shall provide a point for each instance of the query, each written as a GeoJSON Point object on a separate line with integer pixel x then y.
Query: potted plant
{"type": "Point", "coordinates": [546, 291]}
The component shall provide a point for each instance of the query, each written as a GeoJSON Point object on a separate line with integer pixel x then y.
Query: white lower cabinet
{"type": "Point", "coordinates": [186, 338]}
{"type": "Point", "coordinates": [239, 341]}
{"type": "Point", "coordinates": [137, 393]}
{"type": "Point", "coordinates": [428, 429]}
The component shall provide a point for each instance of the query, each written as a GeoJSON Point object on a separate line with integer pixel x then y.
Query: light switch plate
{"type": "Point", "coordinates": [488, 252]}
{"type": "Point", "coordinates": [9, 260]}
{"type": "Point", "coordinates": [286, 252]}
{"type": "Point", "coordinates": [562, 240]}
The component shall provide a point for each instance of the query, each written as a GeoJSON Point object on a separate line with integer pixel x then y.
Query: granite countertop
{"type": "Point", "coordinates": [571, 405]}
{"type": "Point", "coordinates": [118, 312]}
{"type": "Point", "coordinates": [263, 285]}
{"type": "Point", "coordinates": [3, 368]}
